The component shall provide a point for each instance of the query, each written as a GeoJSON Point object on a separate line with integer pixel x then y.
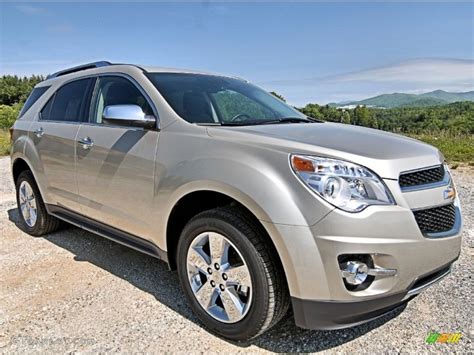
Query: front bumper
{"type": "Point", "coordinates": [312, 314]}
{"type": "Point", "coordinates": [389, 234]}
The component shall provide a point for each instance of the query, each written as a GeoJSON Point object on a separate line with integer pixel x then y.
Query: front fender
{"type": "Point", "coordinates": [269, 200]}
{"type": "Point", "coordinates": [270, 195]}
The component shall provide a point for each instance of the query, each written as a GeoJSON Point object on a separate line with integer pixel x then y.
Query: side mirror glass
{"type": "Point", "coordinates": [127, 115]}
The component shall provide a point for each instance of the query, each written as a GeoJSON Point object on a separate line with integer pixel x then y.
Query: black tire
{"type": "Point", "coordinates": [270, 293]}
{"type": "Point", "coordinates": [45, 223]}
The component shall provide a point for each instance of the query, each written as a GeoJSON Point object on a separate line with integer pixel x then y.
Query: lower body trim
{"type": "Point", "coordinates": [107, 231]}
{"type": "Point", "coordinates": [337, 315]}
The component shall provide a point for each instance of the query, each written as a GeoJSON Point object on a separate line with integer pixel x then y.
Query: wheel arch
{"type": "Point", "coordinates": [198, 201]}
{"type": "Point", "coordinates": [18, 165]}
{"type": "Point", "coordinates": [21, 163]}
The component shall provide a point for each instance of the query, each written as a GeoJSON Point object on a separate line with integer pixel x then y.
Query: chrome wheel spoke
{"type": "Point", "coordinates": [233, 306]}
{"type": "Point", "coordinates": [206, 296]}
{"type": "Point", "coordinates": [27, 206]}
{"type": "Point", "coordinates": [219, 248]}
{"type": "Point", "coordinates": [198, 259]}
{"type": "Point", "coordinates": [238, 275]}
{"type": "Point", "coordinates": [32, 216]}
{"type": "Point", "coordinates": [24, 210]}
{"type": "Point", "coordinates": [29, 192]}
{"type": "Point", "coordinates": [22, 194]}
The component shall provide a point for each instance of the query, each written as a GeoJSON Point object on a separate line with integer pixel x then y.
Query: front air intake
{"type": "Point", "coordinates": [436, 219]}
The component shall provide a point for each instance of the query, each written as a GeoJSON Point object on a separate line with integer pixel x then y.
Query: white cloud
{"type": "Point", "coordinates": [410, 76]}
{"type": "Point", "coordinates": [419, 71]}
{"type": "Point", "coordinates": [28, 9]}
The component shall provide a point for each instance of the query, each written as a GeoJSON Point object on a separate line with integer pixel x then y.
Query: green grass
{"type": "Point", "coordinates": [454, 149]}
{"type": "Point", "coordinates": [4, 142]}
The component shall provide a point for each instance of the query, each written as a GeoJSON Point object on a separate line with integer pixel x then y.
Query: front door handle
{"type": "Point", "coordinates": [38, 132]}
{"type": "Point", "coordinates": [86, 143]}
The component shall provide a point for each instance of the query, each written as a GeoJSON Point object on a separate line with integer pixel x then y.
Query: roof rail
{"type": "Point", "coordinates": [79, 68]}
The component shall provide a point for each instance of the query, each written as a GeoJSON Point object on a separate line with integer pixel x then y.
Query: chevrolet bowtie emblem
{"type": "Point", "coordinates": [450, 193]}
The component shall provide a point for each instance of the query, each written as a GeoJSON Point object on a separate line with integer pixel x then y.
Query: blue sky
{"type": "Point", "coordinates": [318, 52]}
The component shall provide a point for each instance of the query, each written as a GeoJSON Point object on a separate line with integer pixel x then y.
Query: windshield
{"type": "Point", "coordinates": [209, 99]}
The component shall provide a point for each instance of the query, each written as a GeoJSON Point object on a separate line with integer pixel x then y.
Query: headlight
{"type": "Point", "coordinates": [345, 185]}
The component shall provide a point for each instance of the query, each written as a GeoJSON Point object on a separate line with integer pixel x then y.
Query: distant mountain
{"type": "Point", "coordinates": [424, 102]}
{"type": "Point", "coordinates": [450, 96]}
{"type": "Point", "coordinates": [433, 98]}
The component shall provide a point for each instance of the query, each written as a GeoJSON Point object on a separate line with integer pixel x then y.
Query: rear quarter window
{"type": "Point", "coordinates": [34, 96]}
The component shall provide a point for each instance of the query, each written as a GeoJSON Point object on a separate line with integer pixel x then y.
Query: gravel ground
{"type": "Point", "coordinates": [75, 291]}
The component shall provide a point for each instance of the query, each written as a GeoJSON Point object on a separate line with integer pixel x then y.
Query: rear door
{"type": "Point", "coordinates": [54, 135]}
{"type": "Point", "coordinates": [115, 164]}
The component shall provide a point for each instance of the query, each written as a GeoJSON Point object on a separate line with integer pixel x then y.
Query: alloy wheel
{"type": "Point", "coordinates": [28, 204]}
{"type": "Point", "coordinates": [219, 277]}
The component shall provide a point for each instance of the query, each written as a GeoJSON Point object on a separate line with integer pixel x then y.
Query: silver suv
{"type": "Point", "coordinates": [257, 206]}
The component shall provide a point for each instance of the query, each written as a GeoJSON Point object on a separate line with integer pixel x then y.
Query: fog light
{"type": "Point", "coordinates": [355, 272]}
{"type": "Point", "coordinates": [358, 271]}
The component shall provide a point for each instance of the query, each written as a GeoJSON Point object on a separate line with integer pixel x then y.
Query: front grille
{"type": "Point", "coordinates": [437, 219]}
{"type": "Point", "coordinates": [421, 177]}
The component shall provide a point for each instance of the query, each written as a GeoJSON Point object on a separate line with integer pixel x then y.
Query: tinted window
{"type": "Point", "coordinates": [34, 96]}
{"type": "Point", "coordinates": [46, 111]}
{"type": "Point", "coordinates": [214, 99]}
{"type": "Point", "coordinates": [115, 90]}
{"type": "Point", "coordinates": [68, 103]}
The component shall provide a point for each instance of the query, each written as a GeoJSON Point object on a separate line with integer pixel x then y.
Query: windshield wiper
{"type": "Point", "coordinates": [242, 123]}
{"type": "Point", "coordinates": [258, 122]}
{"type": "Point", "coordinates": [289, 120]}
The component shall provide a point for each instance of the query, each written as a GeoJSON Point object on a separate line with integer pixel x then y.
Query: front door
{"type": "Point", "coordinates": [115, 165]}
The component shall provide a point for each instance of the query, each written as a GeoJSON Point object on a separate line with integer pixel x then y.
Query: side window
{"type": "Point", "coordinates": [34, 96]}
{"type": "Point", "coordinates": [115, 90]}
{"type": "Point", "coordinates": [68, 103]}
{"type": "Point", "coordinates": [46, 111]}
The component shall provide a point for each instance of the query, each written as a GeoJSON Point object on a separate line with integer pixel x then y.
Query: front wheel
{"type": "Point", "coordinates": [230, 275]}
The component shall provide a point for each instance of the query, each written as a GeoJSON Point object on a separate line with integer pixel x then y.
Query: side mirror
{"type": "Point", "coordinates": [127, 115]}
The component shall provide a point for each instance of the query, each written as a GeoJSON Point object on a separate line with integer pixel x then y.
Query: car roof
{"type": "Point", "coordinates": [105, 66]}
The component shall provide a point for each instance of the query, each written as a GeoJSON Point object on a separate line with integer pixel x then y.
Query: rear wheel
{"type": "Point", "coordinates": [230, 275]}
{"type": "Point", "coordinates": [34, 218]}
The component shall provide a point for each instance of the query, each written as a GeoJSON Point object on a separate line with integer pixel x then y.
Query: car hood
{"type": "Point", "coordinates": [385, 153]}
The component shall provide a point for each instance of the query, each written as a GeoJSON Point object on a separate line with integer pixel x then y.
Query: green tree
{"type": "Point", "coordinates": [8, 115]}
{"type": "Point", "coordinates": [14, 89]}
{"type": "Point", "coordinates": [346, 117]}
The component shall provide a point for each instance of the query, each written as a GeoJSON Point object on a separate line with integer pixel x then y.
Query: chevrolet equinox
{"type": "Point", "coordinates": [256, 205]}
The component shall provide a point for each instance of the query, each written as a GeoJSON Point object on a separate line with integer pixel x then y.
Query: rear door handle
{"type": "Point", "coordinates": [38, 132]}
{"type": "Point", "coordinates": [86, 143]}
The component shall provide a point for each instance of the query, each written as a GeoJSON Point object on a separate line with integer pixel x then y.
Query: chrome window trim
{"type": "Point", "coordinates": [98, 75]}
